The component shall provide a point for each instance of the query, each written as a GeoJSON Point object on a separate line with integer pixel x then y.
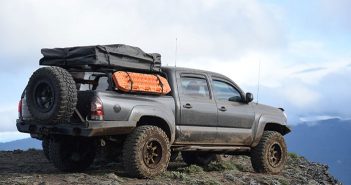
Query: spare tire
{"type": "Point", "coordinates": [51, 95]}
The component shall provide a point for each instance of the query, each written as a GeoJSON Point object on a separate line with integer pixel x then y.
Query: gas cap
{"type": "Point", "coordinates": [117, 108]}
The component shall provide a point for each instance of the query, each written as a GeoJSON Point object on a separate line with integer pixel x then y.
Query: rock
{"type": "Point", "coordinates": [31, 167]}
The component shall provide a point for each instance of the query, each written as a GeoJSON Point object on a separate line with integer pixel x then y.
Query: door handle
{"type": "Point", "coordinates": [222, 109]}
{"type": "Point", "coordinates": [187, 106]}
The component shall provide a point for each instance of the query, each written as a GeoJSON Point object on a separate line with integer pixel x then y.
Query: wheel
{"type": "Point", "coordinates": [146, 152]}
{"type": "Point", "coordinates": [51, 95]}
{"type": "Point", "coordinates": [198, 158]}
{"type": "Point", "coordinates": [223, 157]}
{"type": "Point", "coordinates": [270, 155]}
{"type": "Point", "coordinates": [72, 154]}
{"type": "Point", "coordinates": [45, 145]}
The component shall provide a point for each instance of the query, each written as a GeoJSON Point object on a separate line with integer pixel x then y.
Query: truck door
{"type": "Point", "coordinates": [198, 111]}
{"type": "Point", "coordinates": [235, 116]}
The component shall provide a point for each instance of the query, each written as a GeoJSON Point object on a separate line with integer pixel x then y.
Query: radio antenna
{"type": "Point", "coordinates": [176, 52]}
{"type": "Point", "coordinates": [258, 79]}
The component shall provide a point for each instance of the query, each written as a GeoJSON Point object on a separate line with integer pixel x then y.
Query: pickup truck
{"type": "Point", "coordinates": [205, 117]}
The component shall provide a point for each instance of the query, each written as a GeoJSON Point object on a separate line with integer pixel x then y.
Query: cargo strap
{"type": "Point", "coordinates": [131, 82]}
{"type": "Point", "coordinates": [107, 55]}
{"type": "Point", "coordinates": [160, 82]}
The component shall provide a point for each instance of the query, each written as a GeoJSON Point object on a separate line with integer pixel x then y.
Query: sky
{"type": "Point", "coordinates": [303, 48]}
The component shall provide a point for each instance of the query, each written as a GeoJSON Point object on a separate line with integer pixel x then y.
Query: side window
{"type": "Point", "coordinates": [225, 92]}
{"type": "Point", "coordinates": [194, 87]}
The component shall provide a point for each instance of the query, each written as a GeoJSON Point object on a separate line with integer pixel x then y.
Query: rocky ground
{"type": "Point", "coordinates": [31, 167]}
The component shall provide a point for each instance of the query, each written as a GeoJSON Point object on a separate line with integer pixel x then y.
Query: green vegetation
{"type": "Point", "coordinates": [293, 155]}
{"type": "Point", "coordinates": [191, 169]}
{"type": "Point", "coordinates": [224, 166]}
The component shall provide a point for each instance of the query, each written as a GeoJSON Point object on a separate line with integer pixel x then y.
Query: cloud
{"type": "Point", "coordinates": [310, 70]}
{"type": "Point", "coordinates": [222, 29]}
{"type": "Point", "coordinates": [303, 67]}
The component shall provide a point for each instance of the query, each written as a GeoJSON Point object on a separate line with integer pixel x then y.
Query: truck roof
{"type": "Point", "coordinates": [174, 69]}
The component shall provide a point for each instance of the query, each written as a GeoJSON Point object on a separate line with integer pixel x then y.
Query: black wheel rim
{"type": "Point", "coordinates": [275, 154]}
{"type": "Point", "coordinates": [44, 96]}
{"type": "Point", "coordinates": [152, 153]}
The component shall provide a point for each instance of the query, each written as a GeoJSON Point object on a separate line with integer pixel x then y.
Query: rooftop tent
{"type": "Point", "coordinates": [111, 56]}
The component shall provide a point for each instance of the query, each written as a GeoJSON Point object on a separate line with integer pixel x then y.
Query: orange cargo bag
{"type": "Point", "coordinates": [139, 82]}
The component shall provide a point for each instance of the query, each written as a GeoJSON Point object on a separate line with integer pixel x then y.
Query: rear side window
{"type": "Point", "coordinates": [194, 87]}
{"type": "Point", "coordinates": [91, 81]}
{"type": "Point", "coordinates": [225, 92]}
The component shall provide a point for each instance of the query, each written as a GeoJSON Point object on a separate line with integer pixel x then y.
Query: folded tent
{"type": "Point", "coordinates": [112, 56]}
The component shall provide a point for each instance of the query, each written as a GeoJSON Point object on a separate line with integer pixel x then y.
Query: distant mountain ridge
{"type": "Point", "coordinates": [22, 144]}
{"type": "Point", "coordinates": [325, 141]}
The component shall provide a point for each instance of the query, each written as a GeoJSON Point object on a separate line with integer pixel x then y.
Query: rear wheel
{"type": "Point", "coordinates": [71, 154]}
{"type": "Point", "coordinates": [46, 145]}
{"type": "Point", "coordinates": [146, 152]}
{"type": "Point", "coordinates": [198, 158]}
{"type": "Point", "coordinates": [270, 155]}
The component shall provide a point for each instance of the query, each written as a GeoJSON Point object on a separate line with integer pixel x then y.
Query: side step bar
{"type": "Point", "coordinates": [212, 148]}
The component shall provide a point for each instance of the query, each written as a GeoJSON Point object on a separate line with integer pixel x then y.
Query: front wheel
{"type": "Point", "coordinates": [270, 155]}
{"type": "Point", "coordinates": [146, 152]}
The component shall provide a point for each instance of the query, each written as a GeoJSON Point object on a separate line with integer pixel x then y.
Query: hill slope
{"type": "Point", "coordinates": [326, 142]}
{"type": "Point", "coordinates": [22, 144]}
{"type": "Point", "coordinates": [31, 167]}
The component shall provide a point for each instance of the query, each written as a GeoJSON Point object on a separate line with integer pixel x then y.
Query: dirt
{"type": "Point", "coordinates": [31, 167]}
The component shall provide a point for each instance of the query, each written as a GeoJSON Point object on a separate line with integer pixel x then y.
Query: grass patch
{"type": "Point", "coordinates": [176, 175]}
{"type": "Point", "coordinates": [293, 155]}
{"type": "Point", "coordinates": [223, 166]}
{"type": "Point", "coordinates": [203, 182]}
{"type": "Point", "coordinates": [191, 169]}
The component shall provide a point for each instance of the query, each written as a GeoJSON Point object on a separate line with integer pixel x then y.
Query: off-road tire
{"type": "Point", "coordinates": [54, 82]}
{"type": "Point", "coordinates": [135, 152]}
{"type": "Point", "coordinates": [72, 154]}
{"type": "Point", "coordinates": [261, 155]}
{"type": "Point", "coordinates": [198, 158]}
{"type": "Point", "coordinates": [46, 147]}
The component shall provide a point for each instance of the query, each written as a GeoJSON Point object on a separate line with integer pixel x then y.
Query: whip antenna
{"type": "Point", "coordinates": [258, 79]}
{"type": "Point", "coordinates": [176, 52]}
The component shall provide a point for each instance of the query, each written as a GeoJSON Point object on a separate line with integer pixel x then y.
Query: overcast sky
{"type": "Point", "coordinates": [304, 47]}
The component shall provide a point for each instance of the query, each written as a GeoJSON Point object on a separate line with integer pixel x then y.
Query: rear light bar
{"type": "Point", "coordinates": [97, 111]}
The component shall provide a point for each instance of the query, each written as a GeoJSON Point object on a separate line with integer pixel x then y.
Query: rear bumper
{"type": "Point", "coordinates": [87, 129]}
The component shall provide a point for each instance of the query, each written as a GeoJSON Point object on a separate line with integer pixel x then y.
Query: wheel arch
{"type": "Point", "coordinates": [150, 115]}
{"type": "Point", "coordinates": [269, 123]}
{"type": "Point", "coordinates": [155, 121]}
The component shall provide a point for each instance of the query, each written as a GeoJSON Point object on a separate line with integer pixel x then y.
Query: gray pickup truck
{"type": "Point", "coordinates": [205, 117]}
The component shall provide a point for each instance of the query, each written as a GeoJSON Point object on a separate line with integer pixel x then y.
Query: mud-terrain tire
{"type": "Point", "coordinates": [71, 154]}
{"type": "Point", "coordinates": [198, 158]}
{"type": "Point", "coordinates": [146, 152]}
{"type": "Point", "coordinates": [46, 147]}
{"type": "Point", "coordinates": [270, 155]}
{"type": "Point", "coordinates": [51, 95]}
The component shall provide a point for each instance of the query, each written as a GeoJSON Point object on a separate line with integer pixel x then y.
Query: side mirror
{"type": "Point", "coordinates": [249, 97]}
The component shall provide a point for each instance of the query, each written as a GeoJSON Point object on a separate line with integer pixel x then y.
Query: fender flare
{"type": "Point", "coordinates": [147, 110]}
{"type": "Point", "coordinates": [263, 121]}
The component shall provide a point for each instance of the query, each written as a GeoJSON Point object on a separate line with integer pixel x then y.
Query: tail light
{"type": "Point", "coordinates": [97, 111]}
{"type": "Point", "coordinates": [20, 108]}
